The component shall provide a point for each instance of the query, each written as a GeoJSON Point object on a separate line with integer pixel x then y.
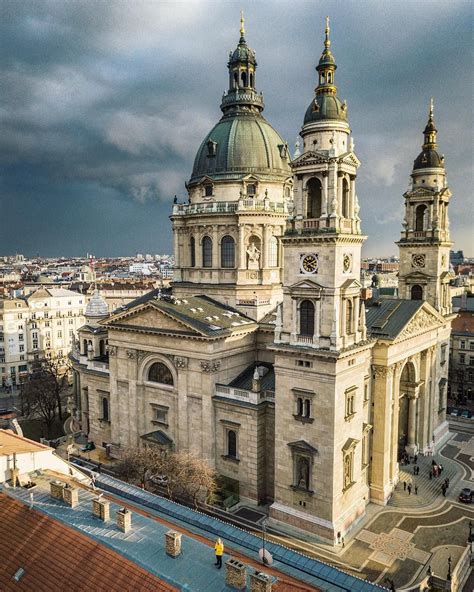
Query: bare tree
{"type": "Point", "coordinates": [182, 474]}
{"type": "Point", "coordinates": [41, 400]}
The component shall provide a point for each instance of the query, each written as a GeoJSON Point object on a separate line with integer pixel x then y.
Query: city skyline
{"type": "Point", "coordinates": [105, 110]}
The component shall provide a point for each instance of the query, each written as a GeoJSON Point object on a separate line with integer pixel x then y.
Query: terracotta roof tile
{"type": "Point", "coordinates": [56, 557]}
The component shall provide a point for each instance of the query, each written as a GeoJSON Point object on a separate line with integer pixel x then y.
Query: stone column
{"type": "Point", "coordinates": [352, 195]}
{"type": "Point", "coordinates": [215, 248]}
{"type": "Point", "coordinates": [242, 251]}
{"type": "Point", "coordinates": [265, 243]}
{"type": "Point", "coordinates": [317, 322]}
{"type": "Point", "coordinates": [340, 177]}
{"type": "Point", "coordinates": [412, 408]}
{"type": "Point", "coordinates": [294, 319]}
{"type": "Point", "coordinates": [394, 468]}
{"type": "Point", "coordinates": [324, 205]}
{"type": "Point", "coordinates": [182, 403]}
{"type": "Point", "coordinates": [380, 486]}
{"type": "Point", "coordinates": [176, 246]}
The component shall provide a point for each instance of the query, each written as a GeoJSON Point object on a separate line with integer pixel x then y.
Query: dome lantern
{"type": "Point", "coordinates": [429, 157]}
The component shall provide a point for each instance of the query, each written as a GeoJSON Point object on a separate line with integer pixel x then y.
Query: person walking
{"type": "Point", "coordinates": [416, 489]}
{"type": "Point", "coordinates": [431, 474]}
{"type": "Point", "coordinates": [404, 486]}
{"type": "Point", "coordinates": [443, 489]}
{"type": "Point", "coordinates": [409, 488]}
{"type": "Point", "coordinates": [219, 549]}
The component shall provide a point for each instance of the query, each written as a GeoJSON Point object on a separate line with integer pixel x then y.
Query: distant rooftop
{"type": "Point", "coordinates": [11, 443]}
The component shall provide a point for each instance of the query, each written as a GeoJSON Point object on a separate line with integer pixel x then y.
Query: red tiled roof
{"type": "Point", "coordinates": [464, 323]}
{"type": "Point", "coordinates": [56, 557]}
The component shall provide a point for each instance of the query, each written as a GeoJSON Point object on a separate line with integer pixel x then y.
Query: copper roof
{"type": "Point", "coordinates": [55, 556]}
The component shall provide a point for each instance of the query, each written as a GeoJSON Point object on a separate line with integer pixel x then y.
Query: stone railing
{"type": "Point", "coordinates": [230, 207]}
{"type": "Point", "coordinates": [246, 396]}
{"type": "Point", "coordinates": [304, 339]}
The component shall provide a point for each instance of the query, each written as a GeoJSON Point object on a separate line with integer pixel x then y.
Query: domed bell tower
{"type": "Point", "coordinates": [425, 241]}
{"type": "Point", "coordinates": [322, 354]}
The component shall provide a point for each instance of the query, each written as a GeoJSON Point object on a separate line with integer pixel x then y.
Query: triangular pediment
{"type": "Point", "coordinates": [310, 157]}
{"type": "Point", "coordinates": [350, 284]}
{"type": "Point", "coordinates": [424, 319]}
{"type": "Point", "coordinates": [421, 192]}
{"type": "Point", "coordinates": [306, 285]}
{"type": "Point", "coordinates": [350, 158]}
{"type": "Point", "coordinates": [416, 275]}
{"type": "Point", "coordinates": [149, 317]}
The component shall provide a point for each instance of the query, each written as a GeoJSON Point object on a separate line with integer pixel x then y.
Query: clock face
{"type": "Point", "coordinates": [418, 260]}
{"type": "Point", "coordinates": [347, 262]}
{"type": "Point", "coordinates": [309, 263]}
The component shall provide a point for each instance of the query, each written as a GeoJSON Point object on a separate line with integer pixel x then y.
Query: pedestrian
{"type": "Point", "coordinates": [447, 481]}
{"type": "Point", "coordinates": [443, 489]}
{"type": "Point", "coordinates": [219, 549]}
{"type": "Point", "coordinates": [416, 458]}
{"type": "Point", "coordinates": [404, 486]}
{"type": "Point", "coordinates": [414, 469]}
{"type": "Point", "coordinates": [440, 467]}
{"type": "Point", "coordinates": [416, 489]}
{"type": "Point", "coordinates": [417, 470]}
{"type": "Point", "coordinates": [409, 488]}
{"type": "Point", "coordinates": [431, 474]}
{"type": "Point", "coordinates": [343, 543]}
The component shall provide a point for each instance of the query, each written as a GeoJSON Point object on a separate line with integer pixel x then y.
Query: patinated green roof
{"type": "Point", "coordinates": [245, 143]}
{"type": "Point", "coordinates": [326, 106]}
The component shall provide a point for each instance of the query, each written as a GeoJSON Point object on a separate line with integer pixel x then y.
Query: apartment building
{"type": "Point", "coordinates": [42, 324]}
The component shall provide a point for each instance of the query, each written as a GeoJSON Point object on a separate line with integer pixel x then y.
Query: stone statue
{"type": "Point", "coordinates": [254, 256]}
{"type": "Point", "coordinates": [303, 473]}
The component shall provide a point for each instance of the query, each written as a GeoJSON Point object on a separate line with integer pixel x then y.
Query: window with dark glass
{"type": "Point", "coordinates": [160, 373]}
{"type": "Point", "coordinates": [315, 192]}
{"type": "Point", "coordinates": [227, 252]}
{"type": "Point", "coordinates": [251, 189]}
{"type": "Point", "coordinates": [192, 250]}
{"type": "Point", "coordinates": [416, 292]}
{"type": "Point", "coordinates": [348, 317]}
{"type": "Point", "coordinates": [105, 408]}
{"type": "Point", "coordinates": [231, 443]}
{"type": "Point", "coordinates": [208, 191]}
{"type": "Point", "coordinates": [306, 318]}
{"type": "Point", "coordinates": [207, 252]}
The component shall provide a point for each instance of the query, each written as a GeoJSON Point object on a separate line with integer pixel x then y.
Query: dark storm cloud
{"type": "Point", "coordinates": [103, 107]}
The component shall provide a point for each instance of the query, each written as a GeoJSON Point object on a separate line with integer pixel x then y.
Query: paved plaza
{"type": "Point", "coordinates": [400, 541]}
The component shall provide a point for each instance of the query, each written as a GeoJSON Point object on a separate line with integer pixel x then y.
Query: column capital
{"type": "Point", "coordinates": [382, 371]}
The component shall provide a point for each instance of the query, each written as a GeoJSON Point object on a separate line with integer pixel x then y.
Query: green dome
{"type": "Point", "coordinates": [241, 144]}
{"type": "Point", "coordinates": [326, 106]}
{"type": "Point", "coordinates": [428, 159]}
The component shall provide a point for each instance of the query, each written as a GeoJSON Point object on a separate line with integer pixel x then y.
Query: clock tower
{"type": "Point", "coordinates": [425, 242]}
{"type": "Point", "coordinates": [322, 355]}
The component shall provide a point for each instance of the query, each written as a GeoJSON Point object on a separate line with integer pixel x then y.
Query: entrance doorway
{"type": "Point", "coordinates": [402, 426]}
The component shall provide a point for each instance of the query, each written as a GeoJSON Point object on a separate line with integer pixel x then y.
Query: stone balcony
{"type": "Point", "coordinates": [246, 204]}
{"type": "Point", "coordinates": [97, 365]}
{"type": "Point", "coordinates": [243, 395]}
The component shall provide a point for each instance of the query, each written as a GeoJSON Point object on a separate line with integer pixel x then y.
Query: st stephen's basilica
{"type": "Point", "coordinates": [263, 358]}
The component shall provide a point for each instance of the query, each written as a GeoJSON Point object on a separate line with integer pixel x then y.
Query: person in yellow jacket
{"type": "Point", "coordinates": [219, 549]}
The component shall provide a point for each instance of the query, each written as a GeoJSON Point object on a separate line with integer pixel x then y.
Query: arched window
{"type": "Point", "coordinates": [251, 189]}
{"type": "Point", "coordinates": [315, 192]}
{"type": "Point", "coordinates": [192, 251]}
{"type": "Point", "coordinates": [207, 252]}
{"type": "Point", "coordinates": [227, 252]}
{"type": "Point", "coordinates": [231, 443]}
{"type": "Point", "coordinates": [84, 345]}
{"type": "Point", "coordinates": [158, 372]}
{"type": "Point", "coordinates": [243, 77]}
{"type": "Point", "coordinates": [420, 217]}
{"type": "Point", "coordinates": [208, 190]}
{"type": "Point", "coordinates": [348, 317]}
{"type": "Point", "coordinates": [102, 348]}
{"type": "Point", "coordinates": [273, 252]}
{"type": "Point", "coordinates": [416, 292]}
{"type": "Point", "coordinates": [251, 79]}
{"type": "Point", "coordinates": [306, 318]}
{"type": "Point", "coordinates": [236, 80]}
{"type": "Point", "coordinates": [105, 408]}
{"type": "Point", "coordinates": [345, 199]}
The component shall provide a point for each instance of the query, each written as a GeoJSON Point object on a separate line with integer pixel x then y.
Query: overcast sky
{"type": "Point", "coordinates": [103, 106]}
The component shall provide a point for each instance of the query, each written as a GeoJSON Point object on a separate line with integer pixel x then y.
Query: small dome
{"type": "Point", "coordinates": [244, 144]}
{"type": "Point", "coordinates": [326, 106]}
{"type": "Point", "coordinates": [428, 159]}
{"type": "Point", "coordinates": [242, 53]}
{"type": "Point", "coordinates": [96, 307]}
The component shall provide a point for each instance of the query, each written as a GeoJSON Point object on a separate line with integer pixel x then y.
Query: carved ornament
{"type": "Point", "coordinates": [382, 371]}
{"type": "Point", "coordinates": [181, 362]}
{"type": "Point", "coordinates": [209, 367]}
{"type": "Point", "coordinates": [422, 320]}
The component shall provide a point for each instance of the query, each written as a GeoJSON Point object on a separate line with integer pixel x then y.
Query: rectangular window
{"type": "Point", "coordinates": [60, 334]}
{"type": "Point", "coordinates": [462, 358]}
{"type": "Point", "coordinates": [23, 368]}
{"type": "Point", "coordinates": [471, 361]}
{"type": "Point", "coordinates": [350, 402]}
{"type": "Point", "coordinates": [22, 348]}
{"type": "Point", "coordinates": [160, 414]}
{"type": "Point", "coordinates": [35, 344]}
{"type": "Point", "coordinates": [20, 337]}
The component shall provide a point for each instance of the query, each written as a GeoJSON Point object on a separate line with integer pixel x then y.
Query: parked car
{"type": "Point", "coordinates": [465, 413]}
{"type": "Point", "coordinates": [454, 412]}
{"type": "Point", "coordinates": [466, 495]}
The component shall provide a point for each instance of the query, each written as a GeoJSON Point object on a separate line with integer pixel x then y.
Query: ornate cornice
{"type": "Point", "coordinates": [382, 371]}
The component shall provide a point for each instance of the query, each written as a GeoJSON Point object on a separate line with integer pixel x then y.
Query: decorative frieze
{"type": "Point", "coordinates": [112, 350]}
{"type": "Point", "coordinates": [382, 371]}
{"type": "Point", "coordinates": [210, 366]}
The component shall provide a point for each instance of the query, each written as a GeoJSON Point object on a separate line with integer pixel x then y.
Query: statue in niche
{"type": "Point", "coordinates": [253, 256]}
{"type": "Point", "coordinates": [303, 472]}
